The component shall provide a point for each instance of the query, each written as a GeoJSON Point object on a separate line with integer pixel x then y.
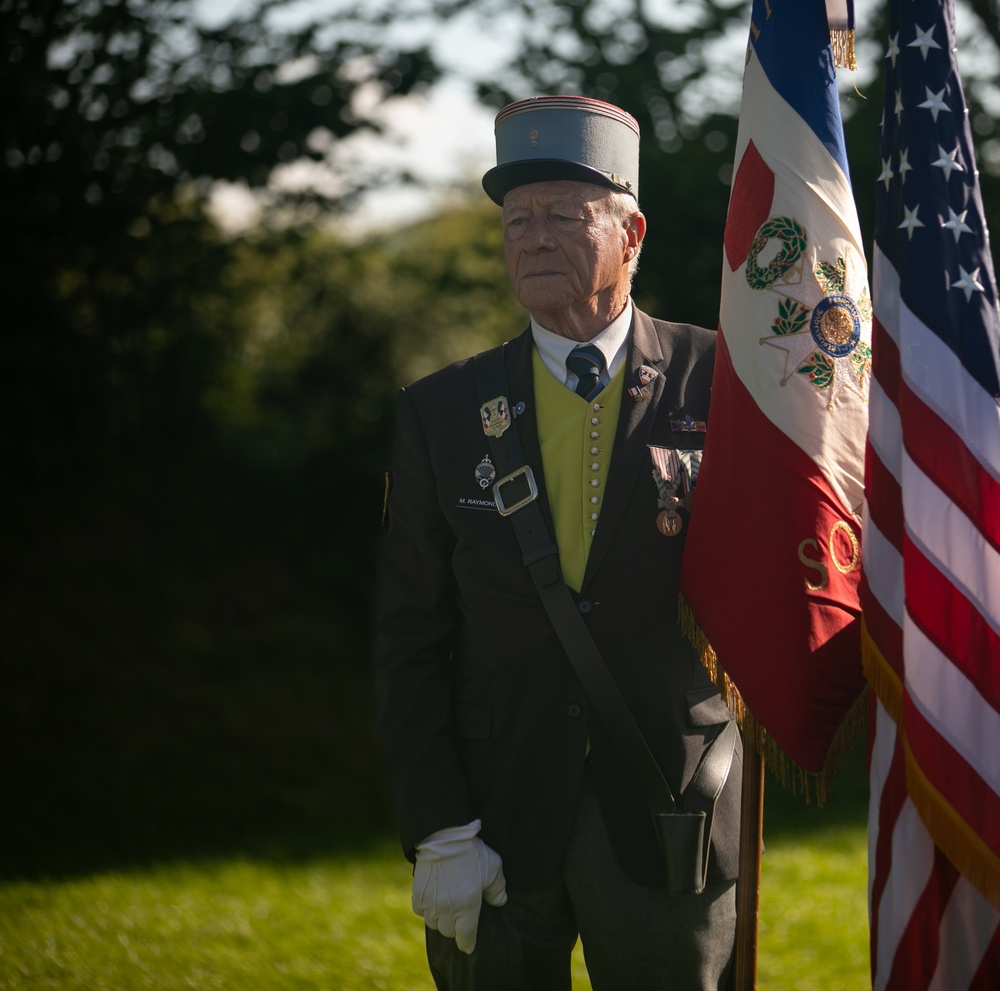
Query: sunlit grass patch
{"type": "Point", "coordinates": [814, 912]}
{"type": "Point", "coordinates": [345, 924]}
{"type": "Point", "coordinates": [334, 924]}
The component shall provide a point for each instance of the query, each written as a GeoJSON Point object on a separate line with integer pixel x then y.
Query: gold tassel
{"type": "Point", "coordinates": [842, 41]}
{"type": "Point", "coordinates": [792, 775]}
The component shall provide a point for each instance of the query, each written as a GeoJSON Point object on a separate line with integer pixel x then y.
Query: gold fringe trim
{"type": "Point", "coordinates": [884, 681]}
{"type": "Point", "coordinates": [973, 858]}
{"type": "Point", "coordinates": [792, 775]}
{"type": "Point", "coordinates": [842, 42]}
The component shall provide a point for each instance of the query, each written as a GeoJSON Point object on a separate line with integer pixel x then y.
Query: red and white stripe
{"type": "Point", "coordinates": [931, 601]}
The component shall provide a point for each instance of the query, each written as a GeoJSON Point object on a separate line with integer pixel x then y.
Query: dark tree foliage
{"type": "Point", "coordinates": [192, 428]}
{"type": "Point", "coordinates": [184, 611]}
{"type": "Point", "coordinates": [115, 119]}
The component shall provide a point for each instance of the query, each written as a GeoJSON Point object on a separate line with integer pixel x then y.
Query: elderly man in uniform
{"type": "Point", "coordinates": [534, 520]}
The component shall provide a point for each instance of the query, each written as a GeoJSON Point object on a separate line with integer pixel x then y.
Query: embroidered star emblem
{"type": "Point", "coordinates": [946, 162]}
{"type": "Point", "coordinates": [910, 221]}
{"type": "Point", "coordinates": [898, 111]}
{"type": "Point", "coordinates": [956, 224]}
{"type": "Point", "coordinates": [842, 302]}
{"type": "Point", "coordinates": [924, 41]}
{"type": "Point", "coordinates": [934, 103]}
{"type": "Point", "coordinates": [969, 282]}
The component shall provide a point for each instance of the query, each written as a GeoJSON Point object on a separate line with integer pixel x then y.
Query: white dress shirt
{"type": "Point", "coordinates": [554, 349]}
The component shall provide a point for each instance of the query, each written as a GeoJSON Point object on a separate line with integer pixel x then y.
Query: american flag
{"type": "Point", "coordinates": [931, 588]}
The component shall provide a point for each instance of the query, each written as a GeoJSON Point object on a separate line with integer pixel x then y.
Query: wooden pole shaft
{"type": "Point", "coordinates": [748, 885]}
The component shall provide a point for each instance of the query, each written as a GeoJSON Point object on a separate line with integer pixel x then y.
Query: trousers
{"type": "Point", "coordinates": [635, 937]}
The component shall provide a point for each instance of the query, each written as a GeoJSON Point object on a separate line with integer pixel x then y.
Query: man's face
{"type": "Point", "coordinates": [564, 249]}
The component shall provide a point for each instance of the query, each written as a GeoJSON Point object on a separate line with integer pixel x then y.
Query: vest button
{"type": "Point", "coordinates": [573, 711]}
{"type": "Point", "coordinates": [585, 606]}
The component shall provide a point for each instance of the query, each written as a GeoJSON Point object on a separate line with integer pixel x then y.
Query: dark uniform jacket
{"type": "Point", "coordinates": [480, 712]}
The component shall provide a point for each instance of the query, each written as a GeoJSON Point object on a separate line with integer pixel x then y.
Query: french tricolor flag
{"type": "Point", "coordinates": [773, 556]}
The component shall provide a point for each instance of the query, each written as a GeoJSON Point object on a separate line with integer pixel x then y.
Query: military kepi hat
{"type": "Point", "coordinates": [564, 137]}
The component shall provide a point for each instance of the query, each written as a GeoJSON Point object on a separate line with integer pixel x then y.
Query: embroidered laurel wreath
{"type": "Point", "coordinates": [793, 245]}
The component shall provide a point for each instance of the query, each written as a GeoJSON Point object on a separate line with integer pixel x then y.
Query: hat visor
{"type": "Point", "coordinates": [503, 178]}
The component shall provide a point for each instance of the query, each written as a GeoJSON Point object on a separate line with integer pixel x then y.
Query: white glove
{"type": "Point", "coordinates": [455, 872]}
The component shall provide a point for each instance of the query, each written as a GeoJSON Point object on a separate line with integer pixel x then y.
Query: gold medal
{"type": "Point", "coordinates": [669, 523]}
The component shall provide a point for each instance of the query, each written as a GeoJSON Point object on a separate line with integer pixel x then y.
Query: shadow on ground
{"type": "Point", "coordinates": [185, 676]}
{"type": "Point", "coordinates": [185, 673]}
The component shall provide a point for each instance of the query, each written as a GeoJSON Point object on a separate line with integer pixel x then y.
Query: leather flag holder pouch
{"type": "Point", "coordinates": [685, 836]}
{"type": "Point", "coordinates": [683, 828]}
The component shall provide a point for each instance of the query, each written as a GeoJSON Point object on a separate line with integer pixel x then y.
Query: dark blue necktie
{"type": "Point", "coordinates": [587, 361]}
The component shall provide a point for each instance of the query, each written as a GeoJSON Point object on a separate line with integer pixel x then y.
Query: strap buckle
{"type": "Point", "coordinates": [532, 495]}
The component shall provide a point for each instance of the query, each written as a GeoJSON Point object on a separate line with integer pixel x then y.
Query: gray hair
{"type": "Point", "coordinates": [623, 207]}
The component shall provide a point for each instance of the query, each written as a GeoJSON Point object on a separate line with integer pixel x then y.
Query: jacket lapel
{"type": "Point", "coordinates": [635, 423]}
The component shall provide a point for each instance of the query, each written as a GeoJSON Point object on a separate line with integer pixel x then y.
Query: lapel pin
{"type": "Point", "coordinates": [496, 416]}
{"type": "Point", "coordinates": [485, 473]}
{"type": "Point", "coordinates": [646, 376]}
{"type": "Point", "coordinates": [688, 426]}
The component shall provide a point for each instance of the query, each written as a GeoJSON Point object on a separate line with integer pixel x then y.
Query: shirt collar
{"type": "Point", "coordinates": [553, 349]}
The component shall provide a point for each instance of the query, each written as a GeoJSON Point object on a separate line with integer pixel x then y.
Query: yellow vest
{"type": "Point", "coordinates": [576, 438]}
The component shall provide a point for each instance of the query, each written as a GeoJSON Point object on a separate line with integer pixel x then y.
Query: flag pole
{"type": "Point", "coordinates": [748, 885]}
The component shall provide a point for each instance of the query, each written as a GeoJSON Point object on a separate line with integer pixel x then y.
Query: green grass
{"type": "Point", "coordinates": [342, 925]}
{"type": "Point", "coordinates": [345, 924]}
{"type": "Point", "coordinates": [814, 913]}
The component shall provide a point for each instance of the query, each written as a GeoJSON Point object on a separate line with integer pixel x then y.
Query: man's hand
{"type": "Point", "coordinates": [455, 872]}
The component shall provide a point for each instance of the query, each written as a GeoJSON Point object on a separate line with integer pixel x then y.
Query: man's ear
{"type": "Point", "coordinates": [635, 231]}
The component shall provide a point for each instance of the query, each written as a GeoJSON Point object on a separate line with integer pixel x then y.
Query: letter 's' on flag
{"type": "Point", "coordinates": [773, 556]}
{"type": "Point", "coordinates": [931, 591]}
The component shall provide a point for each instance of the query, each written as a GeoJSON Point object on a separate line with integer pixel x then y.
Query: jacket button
{"type": "Point", "coordinates": [584, 606]}
{"type": "Point", "coordinates": [574, 711]}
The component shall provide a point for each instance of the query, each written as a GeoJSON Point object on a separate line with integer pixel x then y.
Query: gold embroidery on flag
{"type": "Point", "coordinates": [845, 569]}
{"type": "Point", "coordinates": [824, 574]}
{"type": "Point", "coordinates": [824, 315]}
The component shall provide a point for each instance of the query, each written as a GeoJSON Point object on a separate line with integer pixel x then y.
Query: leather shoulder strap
{"type": "Point", "coordinates": [513, 494]}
